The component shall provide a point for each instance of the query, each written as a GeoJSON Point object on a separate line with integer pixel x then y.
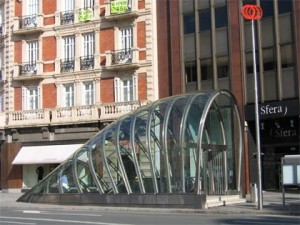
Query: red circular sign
{"type": "Point", "coordinates": [252, 12]}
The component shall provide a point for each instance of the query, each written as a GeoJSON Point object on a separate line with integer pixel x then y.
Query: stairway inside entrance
{"type": "Point", "coordinates": [223, 200]}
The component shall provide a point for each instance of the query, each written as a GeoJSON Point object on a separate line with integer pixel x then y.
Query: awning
{"type": "Point", "coordinates": [45, 154]}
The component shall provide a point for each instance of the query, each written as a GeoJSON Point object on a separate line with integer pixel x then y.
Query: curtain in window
{"type": "Point", "coordinates": [125, 89]}
{"type": "Point", "coordinates": [88, 45]}
{"type": "Point", "coordinates": [126, 38]}
{"type": "Point", "coordinates": [69, 48]}
{"type": "Point", "coordinates": [88, 93]}
{"type": "Point", "coordinates": [33, 7]}
{"type": "Point", "coordinates": [69, 5]}
{"type": "Point", "coordinates": [30, 98]}
{"type": "Point", "coordinates": [68, 95]}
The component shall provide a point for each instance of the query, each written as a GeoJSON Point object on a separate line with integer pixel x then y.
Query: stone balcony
{"type": "Point", "coordinates": [28, 24]}
{"type": "Point", "coordinates": [69, 115]}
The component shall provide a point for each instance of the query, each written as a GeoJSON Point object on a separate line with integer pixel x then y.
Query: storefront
{"type": "Point", "coordinates": [279, 134]}
{"type": "Point", "coordinates": [38, 161]}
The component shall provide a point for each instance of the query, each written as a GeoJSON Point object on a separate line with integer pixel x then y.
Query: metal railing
{"type": "Point", "coordinates": [67, 65]}
{"type": "Point", "coordinates": [86, 62]}
{"type": "Point", "coordinates": [28, 21]}
{"type": "Point", "coordinates": [121, 56]}
{"type": "Point", "coordinates": [66, 17]}
{"type": "Point", "coordinates": [27, 68]}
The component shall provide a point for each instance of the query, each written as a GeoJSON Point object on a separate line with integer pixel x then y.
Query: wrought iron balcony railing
{"type": "Point", "coordinates": [27, 22]}
{"type": "Point", "coordinates": [67, 65]}
{"type": "Point", "coordinates": [67, 17]}
{"type": "Point", "coordinates": [86, 62]}
{"type": "Point", "coordinates": [27, 68]}
{"type": "Point", "coordinates": [121, 56]}
{"type": "Point", "coordinates": [2, 30]}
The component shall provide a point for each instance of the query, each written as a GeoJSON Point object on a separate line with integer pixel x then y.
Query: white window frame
{"type": "Point", "coordinates": [68, 5]}
{"type": "Point", "coordinates": [68, 95]}
{"type": "Point", "coordinates": [88, 93]}
{"type": "Point", "coordinates": [88, 4]}
{"type": "Point", "coordinates": [69, 48]}
{"type": "Point", "coordinates": [88, 44]}
{"type": "Point", "coordinates": [126, 38]}
{"type": "Point", "coordinates": [31, 98]}
{"type": "Point", "coordinates": [125, 89]}
{"type": "Point", "coordinates": [32, 51]}
{"type": "Point", "coordinates": [32, 7]}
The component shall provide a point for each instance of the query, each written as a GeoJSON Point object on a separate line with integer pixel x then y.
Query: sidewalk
{"type": "Point", "coordinates": [272, 205]}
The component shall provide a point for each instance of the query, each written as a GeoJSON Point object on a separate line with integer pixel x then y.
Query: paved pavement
{"type": "Point", "coordinates": [272, 205]}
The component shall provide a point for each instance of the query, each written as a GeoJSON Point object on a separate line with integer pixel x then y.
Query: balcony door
{"type": "Point", "coordinates": [68, 5]}
{"type": "Point", "coordinates": [68, 92]}
{"type": "Point", "coordinates": [33, 7]}
{"type": "Point", "coordinates": [32, 56]}
{"type": "Point", "coordinates": [126, 44]}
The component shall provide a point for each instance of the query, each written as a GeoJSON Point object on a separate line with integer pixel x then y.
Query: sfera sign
{"type": "Point", "coordinates": [270, 110]}
{"type": "Point", "coordinates": [273, 110]}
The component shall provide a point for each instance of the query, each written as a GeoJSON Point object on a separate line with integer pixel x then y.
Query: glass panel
{"type": "Point", "coordinates": [287, 56]}
{"type": "Point", "coordinates": [157, 152]}
{"type": "Point", "coordinates": [143, 155]}
{"type": "Point", "coordinates": [289, 83]}
{"type": "Point", "coordinates": [285, 6]}
{"type": "Point", "coordinates": [128, 155]}
{"type": "Point", "coordinates": [85, 178]}
{"type": "Point", "coordinates": [190, 72]}
{"type": "Point", "coordinates": [202, 4]}
{"type": "Point", "coordinates": [268, 59]}
{"type": "Point", "coordinates": [189, 47]}
{"type": "Point", "coordinates": [221, 17]}
{"type": "Point", "coordinates": [268, 8]}
{"type": "Point", "coordinates": [285, 29]}
{"type": "Point", "coordinates": [270, 86]}
{"type": "Point", "coordinates": [187, 6]}
{"type": "Point", "coordinates": [98, 164]}
{"type": "Point", "coordinates": [67, 179]}
{"type": "Point", "coordinates": [206, 69]}
{"type": "Point", "coordinates": [205, 45]}
{"type": "Point", "coordinates": [114, 164]}
{"type": "Point", "coordinates": [189, 23]}
{"type": "Point", "coordinates": [221, 42]}
{"type": "Point", "coordinates": [205, 19]}
{"type": "Point", "coordinates": [222, 67]}
{"type": "Point", "coordinates": [53, 184]}
{"type": "Point", "coordinates": [268, 32]}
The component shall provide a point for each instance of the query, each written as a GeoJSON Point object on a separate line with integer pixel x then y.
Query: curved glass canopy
{"type": "Point", "coordinates": [190, 143]}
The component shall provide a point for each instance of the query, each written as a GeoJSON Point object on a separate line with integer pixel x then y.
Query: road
{"type": "Point", "coordinates": [11, 216]}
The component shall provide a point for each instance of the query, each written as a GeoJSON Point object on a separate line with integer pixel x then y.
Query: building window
{"type": "Point", "coordinates": [126, 38]}
{"type": "Point", "coordinates": [30, 98]}
{"type": "Point", "coordinates": [88, 4]}
{"type": "Point", "coordinates": [125, 89]}
{"type": "Point", "coordinates": [190, 72]}
{"type": "Point", "coordinates": [33, 52]}
{"type": "Point", "coordinates": [87, 60]}
{"type": "Point", "coordinates": [68, 62]}
{"type": "Point", "coordinates": [33, 7]}
{"type": "Point", "coordinates": [189, 23]}
{"type": "Point", "coordinates": [88, 93]}
{"type": "Point", "coordinates": [221, 17]}
{"type": "Point", "coordinates": [67, 14]}
{"type": "Point", "coordinates": [68, 95]}
{"type": "Point", "coordinates": [205, 19]}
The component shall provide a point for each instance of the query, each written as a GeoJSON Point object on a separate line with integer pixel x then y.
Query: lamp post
{"type": "Point", "coordinates": [254, 12]}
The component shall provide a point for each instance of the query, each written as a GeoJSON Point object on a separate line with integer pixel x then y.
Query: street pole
{"type": "Point", "coordinates": [254, 12]}
{"type": "Point", "coordinates": [258, 155]}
